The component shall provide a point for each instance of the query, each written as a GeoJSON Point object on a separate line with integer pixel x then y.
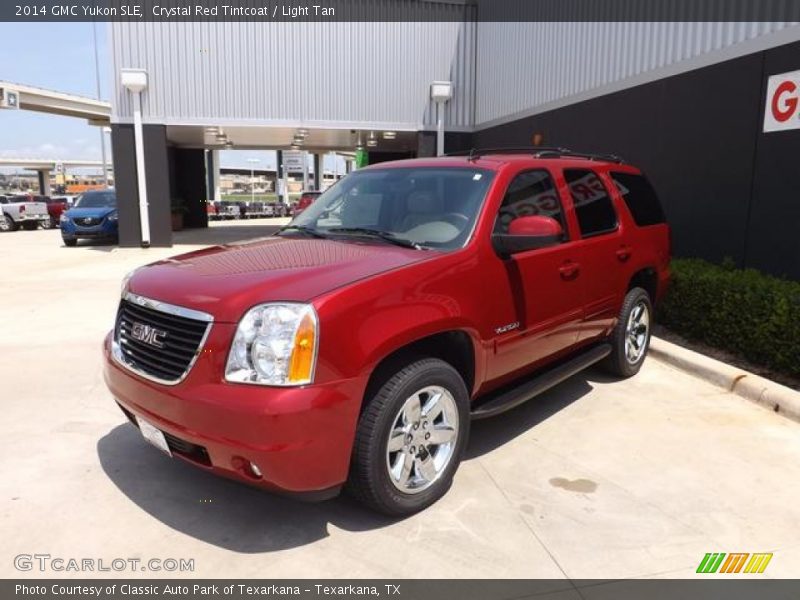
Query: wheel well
{"type": "Point", "coordinates": [453, 347]}
{"type": "Point", "coordinates": [647, 280]}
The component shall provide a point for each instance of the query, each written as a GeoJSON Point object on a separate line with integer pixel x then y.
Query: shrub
{"type": "Point", "coordinates": [739, 310]}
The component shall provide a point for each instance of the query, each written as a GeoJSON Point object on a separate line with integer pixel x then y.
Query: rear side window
{"type": "Point", "coordinates": [640, 198]}
{"type": "Point", "coordinates": [593, 205]}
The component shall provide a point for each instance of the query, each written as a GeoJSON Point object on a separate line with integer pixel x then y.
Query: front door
{"type": "Point", "coordinates": [544, 286]}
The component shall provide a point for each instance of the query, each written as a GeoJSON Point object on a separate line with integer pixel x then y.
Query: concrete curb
{"type": "Point", "coordinates": [779, 398]}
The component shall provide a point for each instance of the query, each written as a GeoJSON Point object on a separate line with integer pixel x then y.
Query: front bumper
{"type": "Point", "coordinates": [300, 438]}
{"type": "Point", "coordinates": [106, 230]}
{"type": "Point", "coordinates": [25, 218]}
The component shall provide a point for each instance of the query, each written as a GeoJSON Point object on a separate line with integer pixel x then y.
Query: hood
{"type": "Point", "coordinates": [90, 212]}
{"type": "Point", "coordinates": [225, 281]}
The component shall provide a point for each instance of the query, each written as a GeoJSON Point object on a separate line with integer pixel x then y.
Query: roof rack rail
{"type": "Point", "coordinates": [537, 152]}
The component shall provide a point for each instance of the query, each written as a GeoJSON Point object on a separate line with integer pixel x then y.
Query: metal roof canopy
{"type": "Point", "coordinates": [47, 164]}
{"type": "Point", "coordinates": [280, 137]}
{"type": "Point", "coordinates": [96, 112]}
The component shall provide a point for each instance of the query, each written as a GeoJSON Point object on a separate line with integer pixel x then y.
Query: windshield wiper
{"type": "Point", "coordinates": [302, 229]}
{"type": "Point", "coordinates": [384, 235]}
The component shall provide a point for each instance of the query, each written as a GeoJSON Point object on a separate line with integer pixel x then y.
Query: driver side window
{"type": "Point", "coordinates": [529, 194]}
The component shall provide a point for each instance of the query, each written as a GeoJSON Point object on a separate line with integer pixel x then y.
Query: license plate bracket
{"type": "Point", "coordinates": [153, 435]}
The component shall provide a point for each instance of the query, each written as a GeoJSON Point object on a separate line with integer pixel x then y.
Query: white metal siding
{"type": "Point", "coordinates": [287, 73]}
{"type": "Point", "coordinates": [526, 65]}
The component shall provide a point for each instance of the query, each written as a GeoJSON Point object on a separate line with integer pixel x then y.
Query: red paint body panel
{"type": "Point", "coordinates": [372, 299]}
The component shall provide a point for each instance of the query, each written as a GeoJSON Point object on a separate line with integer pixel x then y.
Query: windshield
{"type": "Point", "coordinates": [96, 200]}
{"type": "Point", "coordinates": [434, 207]}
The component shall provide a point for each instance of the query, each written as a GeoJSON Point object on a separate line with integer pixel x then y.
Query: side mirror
{"type": "Point", "coordinates": [527, 233]}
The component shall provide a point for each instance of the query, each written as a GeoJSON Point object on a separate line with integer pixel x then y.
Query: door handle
{"type": "Point", "coordinates": [624, 253]}
{"type": "Point", "coordinates": [569, 270]}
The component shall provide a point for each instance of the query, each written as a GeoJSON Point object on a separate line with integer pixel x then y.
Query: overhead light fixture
{"type": "Point", "coordinates": [303, 131]}
{"type": "Point", "coordinates": [228, 144]}
{"type": "Point", "coordinates": [221, 137]}
{"type": "Point", "coordinates": [389, 135]}
{"type": "Point", "coordinates": [212, 129]}
{"type": "Point", "coordinates": [372, 143]}
{"type": "Point", "coordinates": [294, 147]}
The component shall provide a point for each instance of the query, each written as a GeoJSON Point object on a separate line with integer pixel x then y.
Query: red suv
{"type": "Point", "coordinates": [355, 347]}
{"type": "Point", "coordinates": [306, 199]}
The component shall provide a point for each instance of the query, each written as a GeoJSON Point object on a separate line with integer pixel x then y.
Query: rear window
{"type": "Point", "coordinates": [640, 198]}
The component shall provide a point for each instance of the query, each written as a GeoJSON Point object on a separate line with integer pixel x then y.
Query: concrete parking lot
{"type": "Point", "coordinates": [595, 479]}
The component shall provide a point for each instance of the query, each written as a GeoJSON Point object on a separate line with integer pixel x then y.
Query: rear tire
{"type": "Point", "coordinates": [410, 439]}
{"type": "Point", "coordinates": [630, 339]}
{"type": "Point", "coordinates": [9, 224]}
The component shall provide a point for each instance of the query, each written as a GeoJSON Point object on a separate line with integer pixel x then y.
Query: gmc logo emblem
{"type": "Point", "coordinates": [782, 109]}
{"type": "Point", "coordinates": [149, 335]}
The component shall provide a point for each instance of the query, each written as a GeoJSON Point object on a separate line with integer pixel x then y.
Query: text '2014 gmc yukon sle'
{"type": "Point", "coordinates": [354, 347]}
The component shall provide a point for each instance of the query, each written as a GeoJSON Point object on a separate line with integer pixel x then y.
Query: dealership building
{"type": "Point", "coordinates": [709, 110]}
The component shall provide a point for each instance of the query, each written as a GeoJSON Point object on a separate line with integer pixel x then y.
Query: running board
{"type": "Point", "coordinates": [511, 398]}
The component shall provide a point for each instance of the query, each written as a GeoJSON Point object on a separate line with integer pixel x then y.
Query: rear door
{"type": "Point", "coordinates": [604, 250]}
{"type": "Point", "coordinates": [544, 286]}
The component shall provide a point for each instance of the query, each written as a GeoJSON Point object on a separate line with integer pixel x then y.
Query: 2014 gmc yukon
{"type": "Point", "coordinates": [354, 347]}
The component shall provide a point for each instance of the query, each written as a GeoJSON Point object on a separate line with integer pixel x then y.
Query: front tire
{"type": "Point", "coordinates": [630, 339]}
{"type": "Point", "coordinates": [70, 242]}
{"type": "Point", "coordinates": [410, 439]}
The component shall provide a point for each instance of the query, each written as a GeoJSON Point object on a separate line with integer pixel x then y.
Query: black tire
{"type": "Point", "coordinates": [618, 362]}
{"type": "Point", "coordinates": [10, 224]}
{"type": "Point", "coordinates": [70, 243]}
{"type": "Point", "coordinates": [50, 224]}
{"type": "Point", "coordinates": [30, 225]}
{"type": "Point", "coordinates": [369, 480]}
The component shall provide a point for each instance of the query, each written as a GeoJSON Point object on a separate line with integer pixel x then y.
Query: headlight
{"type": "Point", "coordinates": [113, 216]}
{"type": "Point", "coordinates": [275, 344]}
{"type": "Point", "coordinates": [63, 218]}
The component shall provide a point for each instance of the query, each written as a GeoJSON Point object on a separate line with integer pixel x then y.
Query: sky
{"type": "Point", "coordinates": [60, 56]}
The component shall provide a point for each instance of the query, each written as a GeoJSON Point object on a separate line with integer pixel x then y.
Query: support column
{"type": "Point", "coordinates": [317, 171]}
{"type": "Point", "coordinates": [212, 170]}
{"type": "Point", "coordinates": [188, 184]}
{"type": "Point", "coordinates": [305, 170]}
{"type": "Point", "coordinates": [157, 181]}
{"type": "Point", "coordinates": [280, 182]}
{"type": "Point", "coordinates": [44, 181]}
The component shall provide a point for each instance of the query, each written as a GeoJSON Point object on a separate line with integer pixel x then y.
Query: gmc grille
{"type": "Point", "coordinates": [157, 344]}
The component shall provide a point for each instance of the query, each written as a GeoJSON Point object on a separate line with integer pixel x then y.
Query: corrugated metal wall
{"type": "Point", "coordinates": [364, 74]}
{"type": "Point", "coordinates": [286, 73]}
{"type": "Point", "coordinates": [525, 65]}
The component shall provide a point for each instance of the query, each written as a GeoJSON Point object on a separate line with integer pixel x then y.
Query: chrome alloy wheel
{"type": "Point", "coordinates": [422, 440]}
{"type": "Point", "coordinates": [636, 332]}
{"type": "Point", "coordinates": [4, 224]}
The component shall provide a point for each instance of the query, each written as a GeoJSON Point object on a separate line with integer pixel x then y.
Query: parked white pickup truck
{"type": "Point", "coordinates": [22, 210]}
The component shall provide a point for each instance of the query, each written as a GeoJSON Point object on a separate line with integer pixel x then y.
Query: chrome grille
{"type": "Point", "coordinates": [158, 340]}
